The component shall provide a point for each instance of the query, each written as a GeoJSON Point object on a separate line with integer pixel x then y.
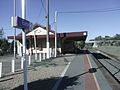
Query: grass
{"type": "Point", "coordinates": [113, 52]}
{"type": "Point", "coordinates": [49, 63]}
{"type": "Point", "coordinates": [46, 63]}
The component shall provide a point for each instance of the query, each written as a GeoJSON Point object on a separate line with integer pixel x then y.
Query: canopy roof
{"type": "Point", "coordinates": [41, 32]}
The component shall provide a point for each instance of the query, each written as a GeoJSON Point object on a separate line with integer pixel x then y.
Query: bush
{"type": "Point", "coordinates": [4, 46]}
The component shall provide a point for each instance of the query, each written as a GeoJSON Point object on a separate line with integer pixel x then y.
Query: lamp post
{"type": "Point", "coordinates": [35, 45]}
{"type": "Point", "coordinates": [47, 36]}
{"type": "Point", "coordinates": [13, 61]}
{"type": "Point", "coordinates": [24, 46]}
{"type": "Point", "coordinates": [14, 13]}
{"type": "Point", "coordinates": [56, 13]}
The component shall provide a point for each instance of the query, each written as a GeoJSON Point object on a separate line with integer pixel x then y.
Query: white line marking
{"type": "Point", "coordinates": [93, 74]}
{"type": "Point", "coordinates": [62, 75]}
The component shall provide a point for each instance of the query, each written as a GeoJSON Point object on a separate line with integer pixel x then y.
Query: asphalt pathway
{"type": "Point", "coordinates": [84, 74]}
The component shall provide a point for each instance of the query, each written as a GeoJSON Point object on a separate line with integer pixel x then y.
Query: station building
{"type": "Point", "coordinates": [36, 40]}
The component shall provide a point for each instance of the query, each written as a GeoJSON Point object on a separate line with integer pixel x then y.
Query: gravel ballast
{"type": "Point", "coordinates": [41, 75]}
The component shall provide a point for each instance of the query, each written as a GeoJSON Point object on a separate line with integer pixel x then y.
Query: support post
{"type": "Point", "coordinates": [47, 36]}
{"type": "Point", "coordinates": [56, 33]}
{"type": "Point", "coordinates": [24, 46]}
{"type": "Point", "coordinates": [14, 30]}
{"type": "Point", "coordinates": [35, 46]}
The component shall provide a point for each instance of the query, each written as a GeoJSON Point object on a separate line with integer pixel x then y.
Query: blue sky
{"type": "Point", "coordinates": [100, 23]}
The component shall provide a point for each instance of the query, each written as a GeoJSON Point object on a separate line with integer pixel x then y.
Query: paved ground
{"type": "Point", "coordinates": [78, 76]}
{"type": "Point", "coordinates": [41, 75]}
{"type": "Point", "coordinates": [83, 72]}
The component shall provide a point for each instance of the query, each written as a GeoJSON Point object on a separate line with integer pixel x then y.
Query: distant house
{"type": "Point", "coordinates": [36, 40]}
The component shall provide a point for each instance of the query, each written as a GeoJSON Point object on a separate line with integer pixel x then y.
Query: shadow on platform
{"type": "Point", "coordinates": [48, 84]}
{"type": "Point", "coordinates": [45, 84]}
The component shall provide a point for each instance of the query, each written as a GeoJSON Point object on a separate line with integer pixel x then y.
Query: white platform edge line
{"type": "Point", "coordinates": [62, 75]}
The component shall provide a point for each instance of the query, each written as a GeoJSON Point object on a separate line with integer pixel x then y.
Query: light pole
{"type": "Point", "coordinates": [14, 13]}
{"type": "Point", "coordinates": [56, 13]}
{"type": "Point", "coordinates": [35, 45]}
{"type": "Point", "coordinates": [47, 36]}
{"type": "Point", "coordinates": [13, 61]}
{"type": "Point", "coordinates": [24, 46]}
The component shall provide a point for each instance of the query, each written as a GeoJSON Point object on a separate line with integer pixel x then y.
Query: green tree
{"type": "Point", "coordinates": [99, 38]}
{"type": "Point", "coordinates": [116, 37]}
{"type": "Point", "coordinates": [4, 46]}
{"type": "Point", "coordinates": [81, 44]}
{"type": "Point", "coordinates": [107, 37]}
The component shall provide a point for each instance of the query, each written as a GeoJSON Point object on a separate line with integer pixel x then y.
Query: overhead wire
{"type": "Point", "coordinates": [93, 11]}
{"type": "Point", "coordinates": [42, 8]}
{"type": "Point", "coordinates": [43, 5]}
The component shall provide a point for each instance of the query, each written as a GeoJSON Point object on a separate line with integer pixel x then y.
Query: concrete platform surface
{"type": "Point", "coordinates": [84, 73]}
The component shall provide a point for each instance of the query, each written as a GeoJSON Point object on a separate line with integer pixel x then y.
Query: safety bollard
{"type": "Point", "coordinates": [50, 52]}
{"type": "Point", "coordinates": [0, 69]}
{"type": "Point", "coordinates": [13, 66]}
{"type": "Point", "coordinates": [35, 56]}
{"type": "Point", "coordinates": [40, 57]}
{"type": "Point", "coordinates": [29, 62]}
{"type": "Point", "coordinates": [22, 62]}
{"type": "Point", "coordinates": [43, 56]}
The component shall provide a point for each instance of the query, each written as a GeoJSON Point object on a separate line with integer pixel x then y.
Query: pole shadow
{"type": "Point", "coordinates": [48, 84]}
{"type": "Point", "coordinates": [70, 81]}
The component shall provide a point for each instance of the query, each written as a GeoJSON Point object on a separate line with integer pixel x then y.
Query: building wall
{"type": "Point", "coordinates": [40, 47]}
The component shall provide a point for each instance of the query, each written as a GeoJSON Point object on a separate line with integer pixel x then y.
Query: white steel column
{"type": "Point", "coordinates": [14, 30]}
{"type": "Point", "coordinates": [24, 46]}
{"type": "Point", "coordinates": [35, 46]}
{"type": "Point", "coordinates": [13, 61]}
{"type": "Point", "coordinates": [47, 36]}
{"type": "Point", "coordinates": [55, 33]}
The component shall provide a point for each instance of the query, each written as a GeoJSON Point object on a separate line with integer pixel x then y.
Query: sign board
{"type": "Point", "coordinates": [20, 23]}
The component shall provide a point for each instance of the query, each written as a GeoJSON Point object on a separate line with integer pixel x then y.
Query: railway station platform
{"type": "Point", "coordinates": [84, 72]}
{"type": "Point", "coordinates": [88, 70]}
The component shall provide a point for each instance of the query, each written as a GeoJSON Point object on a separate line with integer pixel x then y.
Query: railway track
{"type": "Point", "coordinates": [112, 66]}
